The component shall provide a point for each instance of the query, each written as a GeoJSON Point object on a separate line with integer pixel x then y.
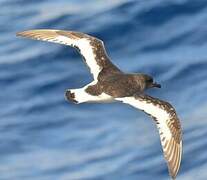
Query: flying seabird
{"type": "Point", "coordinates": [111, 84]}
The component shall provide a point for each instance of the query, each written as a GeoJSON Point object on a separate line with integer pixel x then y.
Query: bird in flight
{"type": "Point", "coordinates": [111, 84]}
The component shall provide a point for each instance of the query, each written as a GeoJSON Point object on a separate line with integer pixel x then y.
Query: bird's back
{"type": "Point", "coordinates": [119, 85]}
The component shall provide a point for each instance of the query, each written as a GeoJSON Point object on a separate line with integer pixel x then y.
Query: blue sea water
{"type": "Point", "coordinates": [44, 137]}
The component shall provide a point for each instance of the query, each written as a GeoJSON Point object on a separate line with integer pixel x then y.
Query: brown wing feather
{"type": "Point", "coordinates": [172, 148]}
{"type": "Point", "coordinates": [51, 35]}
{"type": "Point", "coordinates": [168, 125]}
{"type": "Point", "coordinates": [92, 49]}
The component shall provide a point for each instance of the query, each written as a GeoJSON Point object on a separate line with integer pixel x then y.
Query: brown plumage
{"type": "Point", "coordinates": [110, 84]}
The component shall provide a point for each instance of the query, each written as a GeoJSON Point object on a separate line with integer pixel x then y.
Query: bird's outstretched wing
{"type": "Point", "coordinates": [167, 123]}
{"type": "Point", "coordinates": [91, 48]}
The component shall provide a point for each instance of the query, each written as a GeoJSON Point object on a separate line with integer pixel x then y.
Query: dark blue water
{"type": "Point", "coordinates": [44, 137]}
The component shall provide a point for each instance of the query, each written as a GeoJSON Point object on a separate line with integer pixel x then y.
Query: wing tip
{"type": "Point", "coordinates": [26, 32]}
{"type": "Point", "coordinates": [19, 33]}
{"type": "Point", "coordinates": [174, 172]}
{"type": "Point", "coordinates": [173, 175]}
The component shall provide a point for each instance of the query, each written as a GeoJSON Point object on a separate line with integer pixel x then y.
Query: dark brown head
{"type": "Point", "coordinates": [145, 81]}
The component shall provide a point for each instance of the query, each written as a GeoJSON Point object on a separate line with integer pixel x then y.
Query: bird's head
{"type": "Point", "coordinates": [145, 81]}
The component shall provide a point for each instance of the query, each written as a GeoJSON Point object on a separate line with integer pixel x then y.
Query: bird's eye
{"type": "Point", "coordinates": [150, 80]}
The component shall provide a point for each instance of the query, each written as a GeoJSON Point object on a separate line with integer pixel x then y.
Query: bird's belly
{"type": "Point", "coordinates": [102, 98]}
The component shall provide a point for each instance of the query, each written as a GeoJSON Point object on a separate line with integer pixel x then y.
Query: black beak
{"type": "Point", "coordinates": [156, 85]}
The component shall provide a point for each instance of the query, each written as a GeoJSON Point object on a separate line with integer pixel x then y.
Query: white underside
{"type": "Point", "coordinates": [82, 96]}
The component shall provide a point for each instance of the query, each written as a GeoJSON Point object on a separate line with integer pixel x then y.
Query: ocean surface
{"type": "Point", "coordinates": [44, 137]}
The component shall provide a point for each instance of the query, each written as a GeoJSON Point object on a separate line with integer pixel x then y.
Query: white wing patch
{"type": "Point", "coordinates": [151, 109]}
{"type": "Point", "coordinates": [168, 125]}
{"type": "Point", "coordinates": [87, 51]}
{"type": "Point", "coordinates": [63, 40]}
{"type": "Point", "coordinates": [74, 39]}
